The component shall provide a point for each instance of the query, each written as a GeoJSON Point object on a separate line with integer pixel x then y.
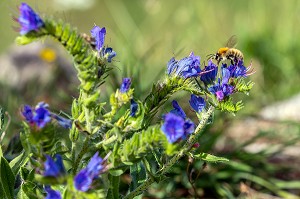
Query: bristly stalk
{"type": "Point", "coordinates": [186, 148]}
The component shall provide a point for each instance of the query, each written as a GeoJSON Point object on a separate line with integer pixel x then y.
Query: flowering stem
{"type": "Point", "coordinates": [166, 168]}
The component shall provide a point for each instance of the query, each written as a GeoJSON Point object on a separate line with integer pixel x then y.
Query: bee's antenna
{"type": "Point", "coordinates": [209, 56]}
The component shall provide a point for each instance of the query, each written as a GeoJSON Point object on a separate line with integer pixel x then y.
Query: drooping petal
{"type": "Point", "coordinates": [28, 113]}
{"type": "Point", "coordinates": [82, 180]}
{"type": "Point", "coordinates": [54, 168]}
{"type": "Point", "coordinates": [42, 116]}
{"type": "Point", "coordinates": [209, 77]}
{"type": "Point", "coordinates": [109, 53]}
{"type": "Point", "coordinates": [177, 110]}
{"type": "Point", "coordinates": [52, 194]}
{"type": "Point", "coordinates": [66, 123]}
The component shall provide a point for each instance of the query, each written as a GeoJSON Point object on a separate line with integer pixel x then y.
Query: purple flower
{"type": "Point", "coordinates": [28, 114]}
{"type": "Point", "coordinates": [176, 125]}
{"type": "Point", "coordinates": [108, 53]}
{"type": "Point", "coordinates": [173, 127]}
{"type": "Point", "coordinates": [85, 177]}
{"type": "Point", "coordinates": [177, 110]}
{"type": "Point", "coordinates": [197, 103]}
{"type": "Point", "coordinates": [186, 67]}
{"type": "Point", "coordinates": [42, 115]}
{"type": "Point", "coordinates": [133, 108]}
{"type": "Point", "coordinates": [209, 77]}
{"type": "Point", "coordinates": [238, 70]}
{"type": "Point", "coordinates": [54, 168]}
{"type": "Point", "coordinates": [66, 123]}
{"type": "Point", "coordinates": [52, 194]}
{"type": "Point", "coordinates": [99, 35]}
{"type": "Point", "coordinates": [222, 90]}
{"type": "Point", "coordinates": [126, 83]}
{"type": "Point", "coordinates": [28, 19]}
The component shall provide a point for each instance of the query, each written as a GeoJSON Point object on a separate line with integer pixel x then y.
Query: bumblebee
{"type": "Point", "coordinates": [228, 52]}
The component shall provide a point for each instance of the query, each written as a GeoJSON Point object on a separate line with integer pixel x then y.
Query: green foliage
{"type": "Point", "coordinates": [209, 158]}
{"type": "Point", "coordinates": [7, 179]}
{"type": "Point", "coordinates": [230, 106]}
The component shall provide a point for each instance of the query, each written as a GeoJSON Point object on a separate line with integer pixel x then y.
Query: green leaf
{"type": "Point", "coordinates": [1, 119]}
{"type": "Point", "coordinates": [7, 179]}
{"type": "Point", "coordinates": [210, 158]}
{"type": "Point", "coordinates": [117, 172]}
{"type": "Point", "coordinates": [18, 162]}
{"type": "Point", "coordinates": [138, 175]}
{"type": "Point", "coordinates": [113, 191]}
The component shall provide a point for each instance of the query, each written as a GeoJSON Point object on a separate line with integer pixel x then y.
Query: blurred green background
{"type": "Point", "coordinates": [147, 33]}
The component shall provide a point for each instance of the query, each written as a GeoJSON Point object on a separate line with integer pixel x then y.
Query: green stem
{"type": "Point", "coordinates": [83, 151]}
{"type": "Point", "coordinates": [166, 168]}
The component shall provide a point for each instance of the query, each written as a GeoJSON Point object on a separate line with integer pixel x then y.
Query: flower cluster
{"type": "Point", "coordinates": [40, 116]}
{"type": "Point", "coordinates": [28, 19]}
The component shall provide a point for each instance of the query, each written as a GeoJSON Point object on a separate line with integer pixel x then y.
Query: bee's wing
{"type": "Point", "coordinates": [232, 41]}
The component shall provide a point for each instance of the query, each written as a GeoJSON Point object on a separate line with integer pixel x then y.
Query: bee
{"type": "Point", "coordinates": [228, 52]}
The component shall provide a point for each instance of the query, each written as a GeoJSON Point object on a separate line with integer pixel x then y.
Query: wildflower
{"type": "Point", "coordinates": [209, 77]}
{"type": "Point", "coordinates": [126, 83]}
{"type": "Point", "coordinates": [108, 53]}
{"type": "Point", "coordinates": [186, 67]}
{"type": "Point", "coordinates": [52, 194]}
{"type": "Point", "coordinates": [176, 125]}
{"type": "Point", "coordinates": [197, 103]}
{"type": "Point", "coordinates": [99, 35]}
{"type": "Point", "coordinates": [85, 177]}
{"type": "Point", "coordinates": [54, 168]}
{"type": "Point", "coordinates": [28, 19]}
{"type": "Point", "coordinates": [66, 123]}
{"type": "Point", "coordinates": [42, 115]}
{"type": "Point", "coordinates": [222, 90]}
{"type": "Point", "coordinates": [133, 108]}
{"type": "Point", "coordinates": [173, 127]}
{"type": "Point", "coordinates": [238, 70]}
{"type": "Point", "coordinates": [28, 114]}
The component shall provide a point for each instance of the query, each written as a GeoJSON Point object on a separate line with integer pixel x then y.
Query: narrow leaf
{"type": "Point", "coordinates": [210, 158]}
{"type": "Point", "coordinates": [7, 179]}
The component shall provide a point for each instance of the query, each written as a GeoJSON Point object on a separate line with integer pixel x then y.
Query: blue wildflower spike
{"type": "Point", "coordinates": [54, 168]}
{"type": "Point", "coordinates": [126, 83]}
{"type": "Point", "coordinates": [52, 194]}
{"type": "Point", "coordinates": [28, 19]}
{"type": "Point", "coordinates": [197, 103]}
{"type": "Point", "coordinates": [173, 127]}
{"type": "Point", "coordinates": [85, 177]}
{"type": "Point", "coordinates": [209, 73]}
{"type": "Point", "coordinates": [238, 70]}
{"type": "Point", "coordinates": [99, 35]}
{"type": "Point", "coordinates": [133, 108]}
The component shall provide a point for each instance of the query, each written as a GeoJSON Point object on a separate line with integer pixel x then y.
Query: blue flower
{"type": "Point", "coordinates": [54, 168]}
{"type": "Point", "coordinates": [108, 53]}
{"type": "Point", "coordinates": [66, 123]}
{"type": "Point", "coordinates": [173, 127]}
{"type": "Point", "coordinates": [186, 67]}
{"type": "Point", "coordinates": [28, 114]}
{"type": "Point", "coordinates": [28, 19]}
{"type": "Point", "coordinates": [126, 83]}
{"type": "Point", "coordinates": [238, 70]}
{"type": "Point", "coordinates": [99, 35]}
{"type": "Point", "coordinates": [42, 115]}
{"type": "Point", "coordinates": [52, 194]}
{"type": "Point", "coordinates": [133, 108]}
{"type": "Point", "coordinates": [177, 110]}
{"type": "Point", "coordinates": [222, 90]}
{"type": "Point", "coordinates": [85, 177]}
{"type": "Point", "coordinates": [197, 103]}
{"type": "Point", "coordinates": [209, 77]}
{"type": "Point", "coordinates": [176, 125]}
